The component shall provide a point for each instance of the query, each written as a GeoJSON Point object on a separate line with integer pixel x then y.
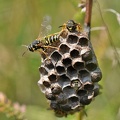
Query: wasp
{"type": "Point", "coordinates": [76, 84]}
{"type": "Point", "coordinates": [41, 44]}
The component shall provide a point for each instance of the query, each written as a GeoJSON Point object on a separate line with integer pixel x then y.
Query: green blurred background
{"type": "Point", "coordinates": [20, 22]}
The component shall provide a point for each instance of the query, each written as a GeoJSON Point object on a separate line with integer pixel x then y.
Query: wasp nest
{"type": "Point", "coordinates": [70, 75]}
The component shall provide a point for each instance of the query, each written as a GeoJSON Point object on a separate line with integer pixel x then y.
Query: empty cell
{"type": "Point", "coordinates": [81, 93]}
{"type": "Point", "coordinates": [83, 73]}
{"type": "Point", "coordinates": [88, 86]}
{"type": "Point", "coordinates": [96, 75]}
{"type": "Point", "coordinates": [72, 39]}
{"type": "Point", "coordinates": [78, 64]}
{"type": "Point", "coordinates": [74, 102]}
{"type": "Point", "coordinates": [68, 91]}
{"type": "Point", "coordinates": [55, 56]}
{"type": "Point", "coordinates": [64, 81]}
{"type": "Point", "coordinates": [43, 71]}
{"type": "Point", "coordinates": [48, 63]}
{"type": "Point", "coordinates": [86, 54]}
{"type": "Point", "coordinates": [60, 68]}
{"type": "Point", "coordinates": [63, 48]}
{"type": "Point", "coordinates": [67, 61]}
{"type": "Point", "coordinates": [71, 72]}
{"type": "Point", "coordinates": [83, 41]}
{"type": "Point", "coordinates": [74, 53]}
{"type": "Point", "coordinates": [52, 77]}
{"type": "Point", "coordinates": [46, 83]}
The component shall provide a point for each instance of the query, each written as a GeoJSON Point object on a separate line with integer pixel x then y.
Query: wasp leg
{"type": "Point", "coordinates": [51, 47]}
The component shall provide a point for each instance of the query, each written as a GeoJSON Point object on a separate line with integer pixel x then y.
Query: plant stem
{"type": "Point", "coordinates": [87, 22]}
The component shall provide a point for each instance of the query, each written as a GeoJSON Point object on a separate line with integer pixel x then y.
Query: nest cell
{"type": "Point", "coordinates": [64, 81]}
{"type": "Point", "coordinates": [63, 48]}
{"type": "Point", "coordinates": [83, 41]}
{"type": "Point", "coordinates": [86, 54]}
{"type": "Point", "coordinates": [50, 96]}
{"type": "Point", "coordinates": [55, 56]}
{"type": "Point", "coordinates": [87, 98]}
{"type": "Point", "coordinates": [43, 71]}
{"type": "Point", "coordinates": [48, 63]}
{"type": "Point", "coordinates": [68, 91]}
{"type": "Point", "coordinates": [72, 39]}
{"type": "Point", "coordinates": [56, 88]}
{"type": "Point", "coordinates": [52, 77]}
{"type": "Point", "coordinates": [72, 73]}
{"type": "Point", "coordinates": [60, 68]}
{"type": "Point", "coordinates": [96, 75]}
{"type": "Point", "coordinates": [74, 53]}
{"type": "Point", "coordinates": [81, 93]}
{"type": "Point", "coordinates": [96, 90]}
{"type": "Point", "coordinates": [88, 86]}
{"type": "Point", "coordinates": [91, 65]}
{"type": "Point", "coordinates": [74, 102]}
{"type": "Point", "coordinates": [78, 64]}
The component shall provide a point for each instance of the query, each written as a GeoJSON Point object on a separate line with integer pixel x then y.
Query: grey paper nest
{"type": "Point", "coordinates": [70, 75]}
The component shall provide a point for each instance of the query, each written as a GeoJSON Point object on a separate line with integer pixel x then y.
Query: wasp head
{"type": "Point", "coordinates": [34, 46]}
{"type": "Point", "coordinates": [71, 25]}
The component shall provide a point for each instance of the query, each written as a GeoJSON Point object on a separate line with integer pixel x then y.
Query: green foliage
{"type": "Point", "coordinates": [20, 22]}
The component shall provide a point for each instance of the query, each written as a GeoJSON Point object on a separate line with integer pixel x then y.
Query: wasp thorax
{"type": "Point", "coordinates": [69, 75]}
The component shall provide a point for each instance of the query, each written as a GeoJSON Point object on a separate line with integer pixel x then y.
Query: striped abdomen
{"type": "Point", "coordinates": [51, 39]}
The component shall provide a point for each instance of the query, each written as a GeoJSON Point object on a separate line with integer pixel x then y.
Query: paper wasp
{"type": "Point", "coordinates": [41, 44]}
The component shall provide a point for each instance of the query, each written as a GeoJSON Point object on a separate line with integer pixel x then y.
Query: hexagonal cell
{"type": "Point", "coordinates": [83, 41]}
{"type": "Point", "coordinates": [96, 75]}
{"type": "Point", "coordinates": [72, 39]}
{"type": "Point", "coordinates": [52, 77]}
{"type": "Point", "coordinates": [91, 65]}
{"type": "Point", "coordinates": [78, 64]}
{"type": "Point", "coordinates": [55, 57]}
{"type": "Point", "coordinates": [64, 81]}
{"type": "Point", "coordinates": [74, 102]}
{"type": "Point", "coordinates": [56, 88]}
{"type": "Point", "coordinates": [74, 53]}
{"type": "Point", "coordinates": [46, 83]}
{"type": "Point", "coordinates": [67, 61]}
{"type": "Point", "coordinates": [81, 93]}
{"type": "Point", "coordinates": [48, 63]}
{"type": "Point", "coordinates": [68, 91]}
{"type": "Point", "coordinates": [88, 86]}
{"type": "Point", "coordinates": [43, 71]}
{"type": "Point", "coordinates": [86, 54]}
{"type": "Point", "coordinates": [60, 68]}
{"type": "Point", "coordinates": [83, 73]}
{"type": "Point", "coordinates": [72, 73]}
{"type": "Point", "coordinates": [63, 48]}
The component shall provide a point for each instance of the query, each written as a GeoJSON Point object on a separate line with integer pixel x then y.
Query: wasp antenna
{"type": "Point", "coordinates": [60, 26]}
{"type": "Point", "coordinates": [24, 52]}
{"type": "Point", "coordinates": [25, 46]}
